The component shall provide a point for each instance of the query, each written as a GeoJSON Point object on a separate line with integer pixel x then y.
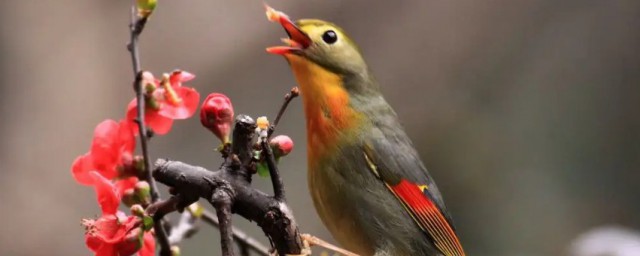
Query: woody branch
{"type": "Point", "coordinates": [229, 190]}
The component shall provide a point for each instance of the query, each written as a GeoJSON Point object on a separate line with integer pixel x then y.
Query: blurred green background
{"type": "Point", "coordinates": [525, 112]}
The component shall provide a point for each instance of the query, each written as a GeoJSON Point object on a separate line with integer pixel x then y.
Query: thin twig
{"type": "Point", "coordinates": [287, 99]}
{"type": "Point", "coordinates": [239, 236]}
{"type": "Point", "coordinates": [276, 180]}
{"type": "Point", "coordinates": [136, 26]}
{"type": "Point", "coordinates": [161, 208]}
{"type": "Point", "coordinates": [313, 240]}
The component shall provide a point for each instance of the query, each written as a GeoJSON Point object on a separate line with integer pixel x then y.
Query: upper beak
{"type": "Point", "coordinates": [297, 41]}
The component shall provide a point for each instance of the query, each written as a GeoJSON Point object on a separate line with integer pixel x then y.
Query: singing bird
{"type": "Point", "coordinates": [367, 182]}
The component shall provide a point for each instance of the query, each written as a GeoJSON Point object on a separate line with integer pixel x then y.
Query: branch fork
{"type": "Point", "coordinates": [228, 190]}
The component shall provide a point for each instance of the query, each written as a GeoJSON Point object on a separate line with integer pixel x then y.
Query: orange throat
{"type": "Point", "coordinates": [329, 117]}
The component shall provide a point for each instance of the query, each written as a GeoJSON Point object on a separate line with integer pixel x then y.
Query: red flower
{"type": "Point", "coordinates": [112, 147]}
{"type": "Point", "coordinates": [216, 114]}
{"type": "Point", "coordinates": [165, 100]}
{"type": "Point", "coordinates": [114, 233]}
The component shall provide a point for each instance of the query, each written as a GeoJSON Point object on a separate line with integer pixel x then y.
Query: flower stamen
{"type": "Point", "coordinates": [169, 93]}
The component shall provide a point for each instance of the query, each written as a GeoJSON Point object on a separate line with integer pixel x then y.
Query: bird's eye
{"type": "Point", "coordinates": [330, 37]}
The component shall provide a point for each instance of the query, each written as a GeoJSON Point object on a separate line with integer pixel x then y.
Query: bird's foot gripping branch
{"type": "Point", "coordinates": [121, 177]}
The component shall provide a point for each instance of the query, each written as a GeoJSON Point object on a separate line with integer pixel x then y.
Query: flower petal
{"type": "Point", "coordinates": [80, 169]}
{"type": "Point", "coordinates": [131, 110]}
{"type": "Point", "coordinates": [94, 243]}
{"type": "Point", "coordinates": [105, 149]}
{"type": "Point", "coordinates": [148, 246]}
{"type": "Point", "coordinates": [131, 115]}
{"type": "Point", "coordinates": [111, 229]}
{"type": "Point", "coordinates": [159, 124]}
{"type": "Point", "coordinates": [107, 229]}
{"type": "Point", "coordinates": [131, 242]}
{"type": "Point", "coordinates": [106, 193]}
{"type": "Point", "coordinates": [126, 135]}
{"type": "Point", "coordinates": [178, 77]}
{"type": "Point", "coordinates": [105, 136]}
{"type": "Point", "coordinates": [190, 100]}
{"type": "Point", "coordinates": [106, 250]}
{"type": "Point", "coordinates": [124, 184]}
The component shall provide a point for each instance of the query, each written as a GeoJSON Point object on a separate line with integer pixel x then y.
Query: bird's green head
{"type": "Point", "coordinates": [333, 79]}
{"type": "Point", "coordinates": [320, 42]}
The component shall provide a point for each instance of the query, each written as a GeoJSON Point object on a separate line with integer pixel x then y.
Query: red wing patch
{"type": "Point", "coordinates": [427, 215]}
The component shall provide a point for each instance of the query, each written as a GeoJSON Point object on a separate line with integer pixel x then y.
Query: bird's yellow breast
{"type": "Point", "coordinates": [329, 117]}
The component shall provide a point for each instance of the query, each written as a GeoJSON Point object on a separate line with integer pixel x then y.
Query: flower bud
{"type": "Point", "coordinates": [262, 123]}
{"type": "Point", "coordinates": [132, 166]}
{"type": "Point", "coordinates": [262, 128]}
{"type": "Point", "coordinates": [146, 7]}
{"type": "Point", "coordinates": [138, 164]}
{"type": "Point", "coordinates": [126, 169]}
{"type": "Point", "coordinates": [148, 79]}
{"type": "Point", "coordinates": [281, 145]}
{"type": "Point", "coordinates": [216, 114]}
{"type": "Point", "coordinates": [137, 210]}
{"type": "Point", "coordinates": [129, 197]}
{"type": "Point", "coordinates": [142, 191]}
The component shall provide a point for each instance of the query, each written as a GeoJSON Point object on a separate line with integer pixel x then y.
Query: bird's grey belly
{"type": "Point", "coordinates": [361, 214]}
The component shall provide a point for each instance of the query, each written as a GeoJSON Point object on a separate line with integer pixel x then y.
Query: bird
{"type": "Point", "coordinates": [366, 179]}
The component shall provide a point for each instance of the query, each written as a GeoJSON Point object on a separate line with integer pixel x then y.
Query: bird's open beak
{"type": "Point", "coordinates": [297, 41]}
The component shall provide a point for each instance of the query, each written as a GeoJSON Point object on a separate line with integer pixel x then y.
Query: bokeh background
{"type": "Point", "coordinates": [525, 112]}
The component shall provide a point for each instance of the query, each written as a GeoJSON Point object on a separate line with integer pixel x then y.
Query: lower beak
{"type": "Point", "coordinates": [297, 41]}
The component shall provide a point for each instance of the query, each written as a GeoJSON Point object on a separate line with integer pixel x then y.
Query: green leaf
{"type": "Point", "coordinates": [263, 169]}
{"type": "Point", "coordinates": [147, 222]}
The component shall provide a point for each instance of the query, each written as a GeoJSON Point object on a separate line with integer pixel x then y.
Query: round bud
{"type": "Point", "coordinates": [216, 114]}
{"type": "Point", "coordinates": [137, 210]}
{"type": "Point", "coordinates": [282, 145]}
{"type": "Point", "coordinates": [142, 191]}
